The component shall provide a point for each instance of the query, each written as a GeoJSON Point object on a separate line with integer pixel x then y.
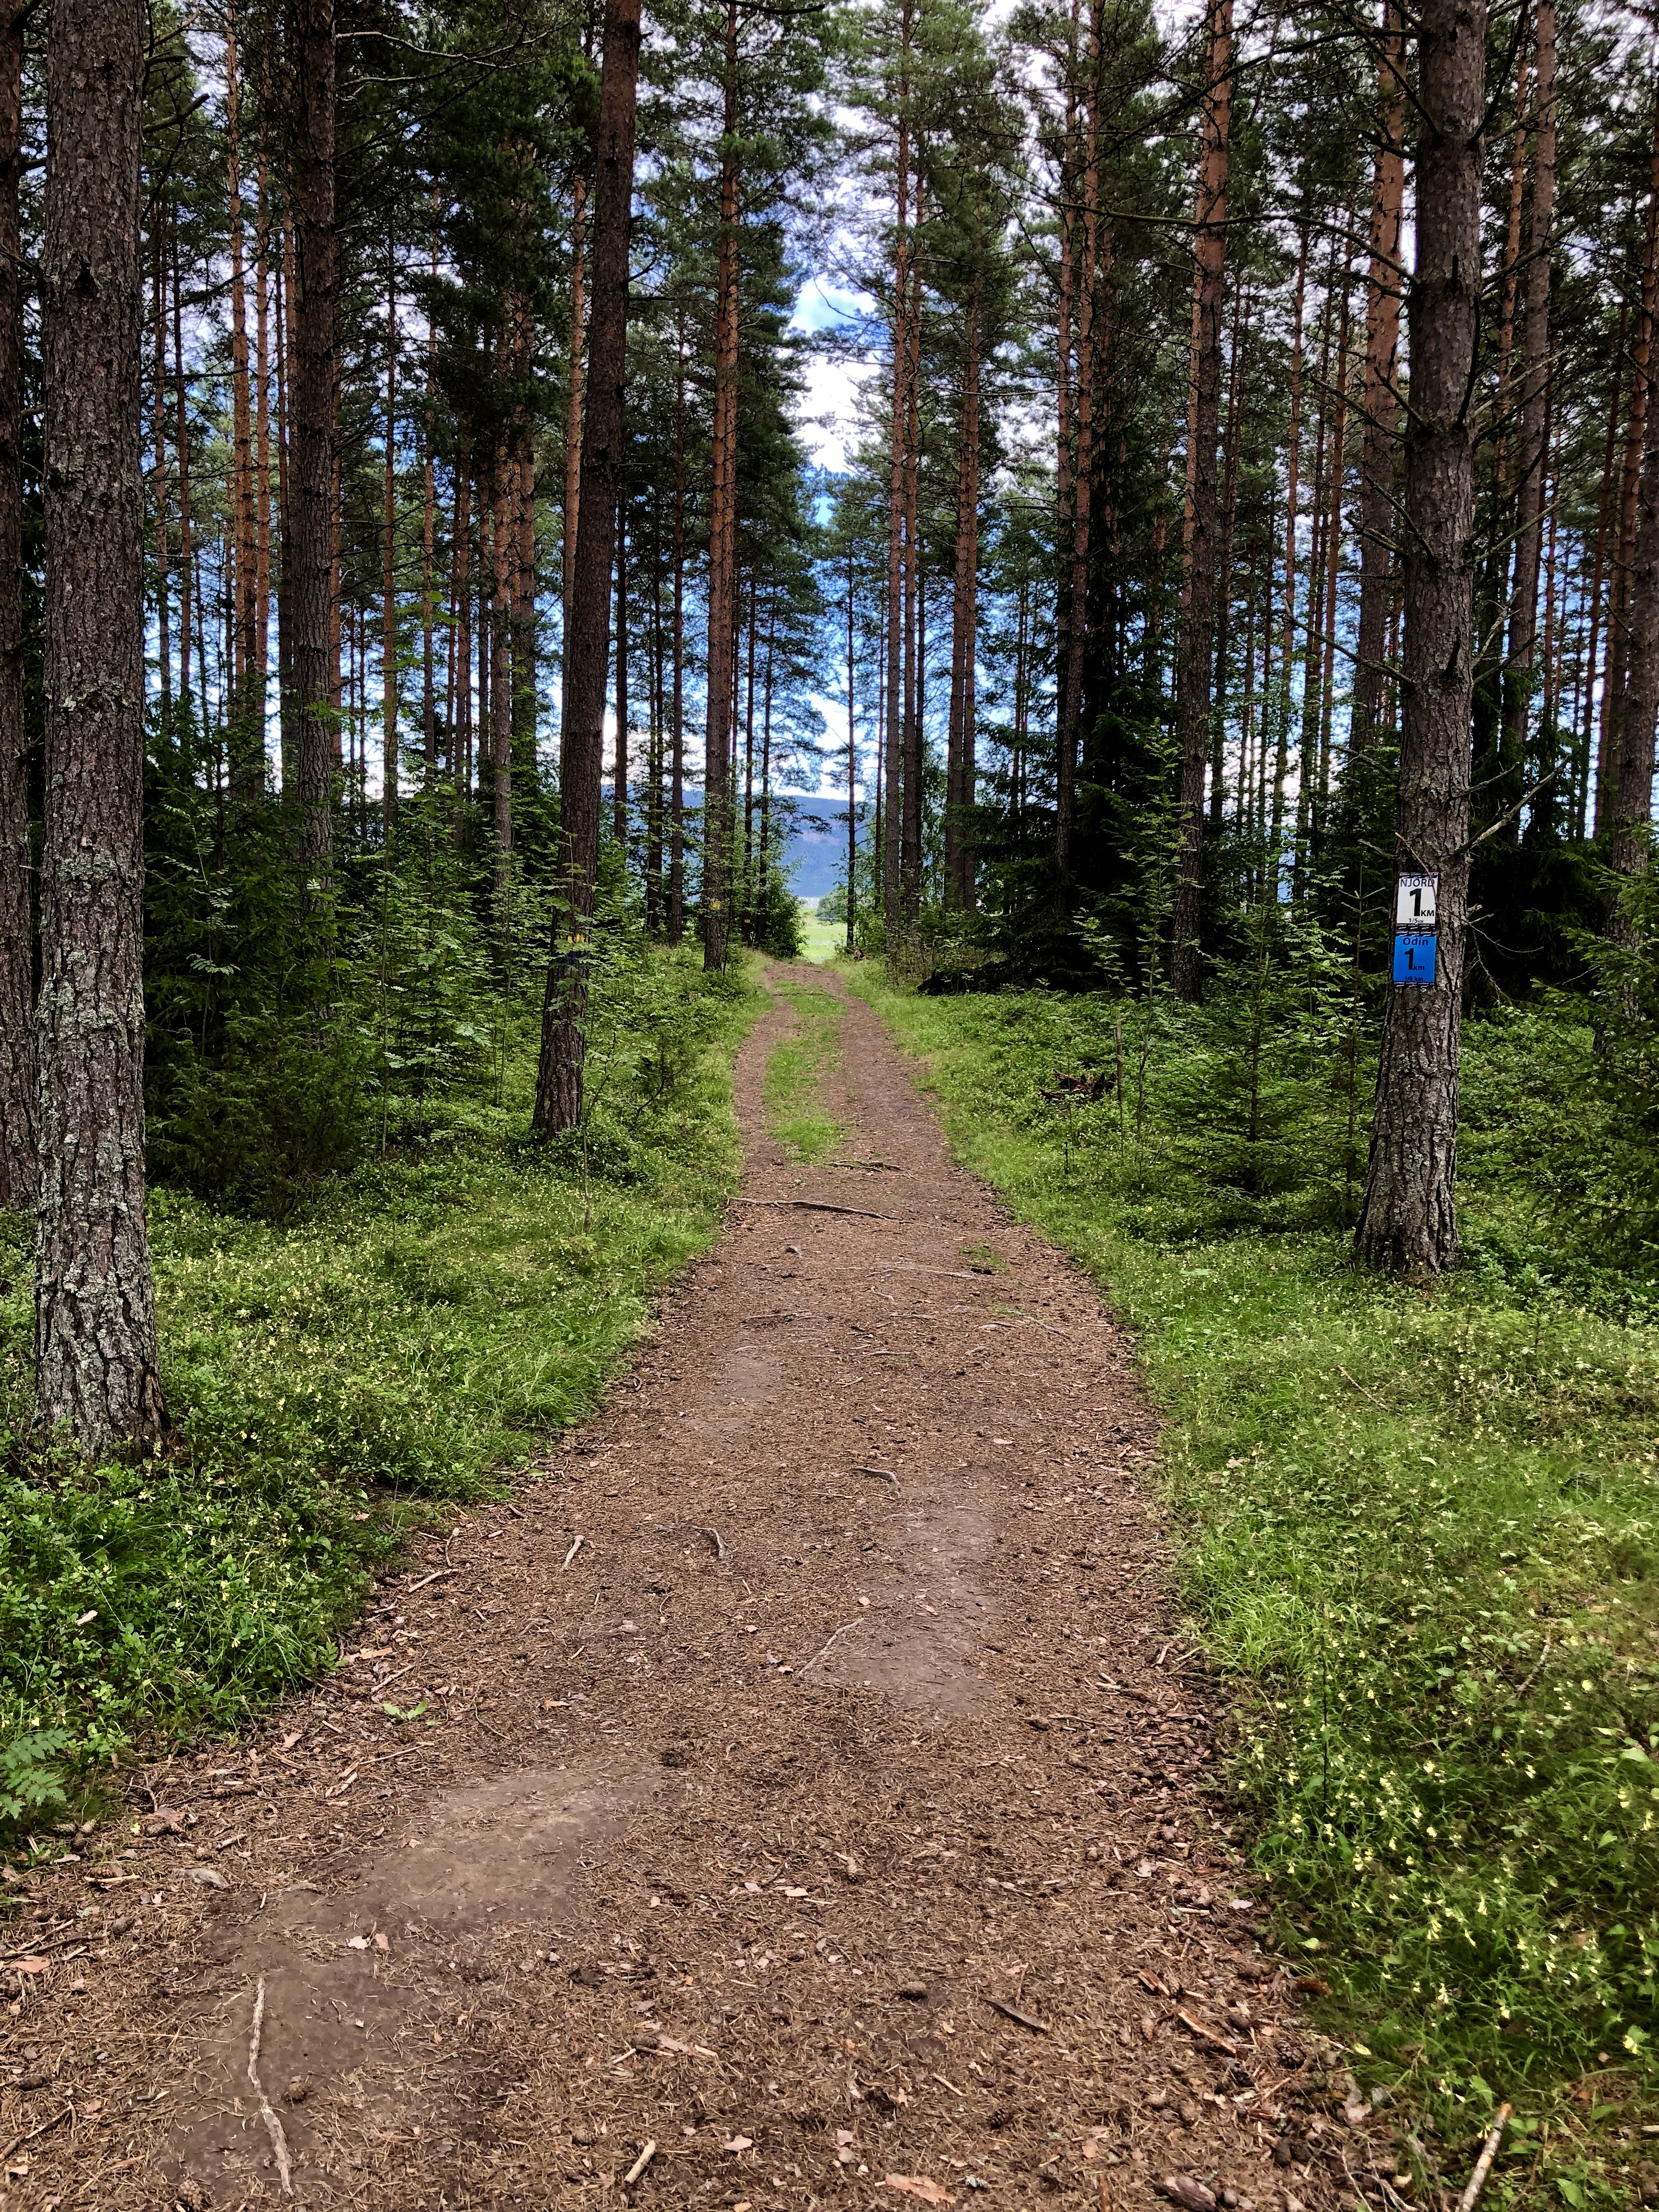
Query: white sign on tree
{"type": "Point", "coordinates": [1414, 899]}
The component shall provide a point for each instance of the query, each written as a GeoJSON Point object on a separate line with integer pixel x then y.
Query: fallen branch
{"type": "Point", "coordinates": [437, 1572]}
{"type": "Point", "coordinates": [819, 1206]}
{"type": "Point", "coordinates": [1205, 2034]}
{"type": "Point", "coordinates": [640, 2164]}
{"type": "Point", "coordinates": [816, 1655]}
{"type": "Point", "coordinates": [572, 1552]}
{"type": "Point", "coordinates": [1012, 2012]}
{"type": "Point", "coordinates": [17, 2141]}
{"type": "Point", "coordinates": [273, 2125]}
{"type": "Point", "coordinates": [1471, 2196]}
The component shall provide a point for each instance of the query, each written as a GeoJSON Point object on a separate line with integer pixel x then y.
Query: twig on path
{"type": "Point", "coordinates": [713, 1536]}
{"type": "Point", "coordinates": [437, 1572]}
{"type": "Point", "coordinates": [1471, 2196]}
{"type": "Point", "coordinates": [1205, 2034]}
{"type": "Point", "coordinates": [1535, 1672]}
{"type": "Point", "coordinates": [819, 1206]}
{"type": "Point", "coordinates": [572, 1552]}
{"type": "Point", "coordinates": [17, 2141]}
{"type": "Point", "coordinates": [816, 1655]}
{"type": "Point", "coordinates": [640, 2164]}
{"type": "Point", "coordinates": [1361, 1386]}
{"type": "Point", "coordinates": [885, 1473]}
{"type": "Point", "coordinates": [1013, 2013]}
{"type": "Point", "coordinates": [273, 2125]}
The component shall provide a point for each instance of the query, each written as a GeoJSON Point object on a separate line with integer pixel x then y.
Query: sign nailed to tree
{"type": "Point", "coordinates": [1414, 902]}
{"type": "Point", "coordinates": [1415, 912]}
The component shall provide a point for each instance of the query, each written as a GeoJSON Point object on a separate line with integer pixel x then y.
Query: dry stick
{"type": "Point", "coordinates": [1011, 2012]}
{"type": "Point", "coordinates": [17, 2141]}
{"type": "Point", "coordinates": [1471, 2196]}
{"type": "Point", "coordinates": [1361, 1386]}
{"type": "Point", "coordinates": [819, 1206]}
{"type": "Point", "coordinates": [640, 2164]}
{"type": "Point", "coordinates": [819, 1655]}
{"type": "Point", "coordinates": [432, 1577]}
{"type": "Point", "coordinates": [714, 1537]}
{"type": "Point", "coordinates": [572, 1552]}
{"type": "Point", "coordinates": [886, 1474]}
{"type": "Point", "coordinates": [273, 2125]}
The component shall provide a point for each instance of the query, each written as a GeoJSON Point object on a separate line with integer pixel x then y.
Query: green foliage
{"type": "Point", "coordinates": [795, 1108]}
{"type": "Point", "coordinates": [1420, 1533]}
{"type": "Point", "coordinates": [31, 1780]}
{"type": "Point", "coordinates": [435, 1313]}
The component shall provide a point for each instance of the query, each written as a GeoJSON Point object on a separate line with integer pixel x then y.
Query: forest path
{"type": "Point", "coordinates": [838, 1832]}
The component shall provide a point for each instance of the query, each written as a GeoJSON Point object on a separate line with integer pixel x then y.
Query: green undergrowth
{"type": "Point", "coordinates": [795, 1108]}
{"type": "Point", "coordinates": [434, 1316]}
{"type": "Point", "coordinates": [1420, 1537]}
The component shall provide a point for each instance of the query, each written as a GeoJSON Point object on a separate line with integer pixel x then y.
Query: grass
{"type": "Point", "coordinates": [1419, 1540]}
{"type": "Point", "coordinates": [819, 940]}
{"type": "Point", "coordinates": [433, 1318]}
{"type": "Point", "coordinates": [795, 1110]}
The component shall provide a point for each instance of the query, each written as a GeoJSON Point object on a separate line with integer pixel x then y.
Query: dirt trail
{"type": "Point", "coordinates": [818, 1798]}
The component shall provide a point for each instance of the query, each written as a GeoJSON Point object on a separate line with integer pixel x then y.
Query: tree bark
{"type": "Point", "coordinates": [717, 798]}
{"type": "Point", "coordinates": [677, 739]}
{"type": "Point", "coordinates": [1632, 805]}
{"type": "Point", "coordinates": [892, 815]}
{"type": "Point", "coordinates": [1613, 688]}
{"type": "Point", "coordinates": [1382, 430]}
{"type": "Point", "coordinates": [96, 1365]}
{"type": "Point", "coordinates": [619, 781]}
{"type": "Point", "coordinates": [17, 1100]}
{"type": "Point", "coordinates": [501, 694]}
{"type": "Point", "coordinates": [960, 765]}
{"type": "Point", "coordinates": [1532, 454]}
{"type": "Point", "coordinates": [559, 1097]}
{"type": "Point", "coordinates": [244, 731]}
{"type": "Point", "coordinates": [310, 553]}
{"type": "Point", "coordinates": [1407, 1221]}
{"type": "Point", "coordinates": [572, 412]}
{"type": "Point", "coordinates": [389, 579]}
{"type": "Point", "coordinates": [1292, 469]}
{"type": "Point", "coordinates": [1198, 534]}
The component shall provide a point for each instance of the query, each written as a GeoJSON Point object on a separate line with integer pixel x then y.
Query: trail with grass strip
{"type": "Point", "coordinates": [793, 1794]}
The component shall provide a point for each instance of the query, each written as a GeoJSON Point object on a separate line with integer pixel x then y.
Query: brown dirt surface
{"type": "Point", "coordinates": [819, 1794]}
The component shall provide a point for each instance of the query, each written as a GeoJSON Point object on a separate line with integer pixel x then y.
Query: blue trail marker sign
{"type": "Point", "coordinates": [1416, 910]}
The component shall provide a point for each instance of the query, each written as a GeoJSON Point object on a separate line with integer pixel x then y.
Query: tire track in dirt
{"type": "Point", "coordinates": [841, 1834]}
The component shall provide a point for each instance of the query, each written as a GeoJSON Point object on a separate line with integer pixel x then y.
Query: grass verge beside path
{"type": "Point", "coordinates": [1420, 1545]}
{"type": "Point", "coordinates": [434, 1316]}
{"type": "Point", "coordinates": [795, 1110]}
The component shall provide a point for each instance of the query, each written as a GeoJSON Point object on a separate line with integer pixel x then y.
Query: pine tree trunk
{"type": "Point", "coordinates": [1612, 689]}
{"type": "Point", "coordinates": [1407, 1220]}
{"type": "Point", "coordinates": [461, 559]}
{"type": "Point", "coordinates": [1592, 645]}
{"type": "Point", "coordinates": [1198, 535]}
{"type": "Point", "coordinates": [389, 580]}
{"type": "Point", "coordinates": [717, 798]}
{"type": "Point", "coordinates": [259, 652]}
{"type": "Point", "coordinates": [96, 1365]}
{"type": "Point", "coordinates": [429, 534]}
{"type": "Point", "coordinates": [915, 611]}
{"type": "Point", "coordinates": [559, 1076]}
{"type": "Point", "coordinates": [17, 1099]}
{"type": "Point", "coordinates": [572, 412]}
{"type": "Point", "coordinates": [181, 432]}
{"type": "Point", "coordinates": [500, 695]}
{"type": "Point", "coordinates": [1230, 465]}
{"type": "Point", "coordinates": [852, 761]}
{"type": "Point", "coordinates": [1381, 435]}
{"type": "Point", "coordinates": [1292, 469]}
{"type": "Point", "coordinates": [1075, 552]}
{"type": "Point", "coordinates": [1531, 453]}
{"type": "Point", "coordinates": [959, 771]}
{"type": "Point", "coordinates": [1066, 615]}
{"type": "Point", "coordinates": [619, 782]}
{"type": "Point", "coordinates": [1631, 801]}
{"type": "Point", "coordinates": [244, 731]}
{"type": "Point", "coordinates": [677, 736]}
{"type": "Point", "coordinates": [309, 567]}
{"type": "Point", "coordinates": [892, 815]}
{"type": "Point", "coordinates": [13, 245]}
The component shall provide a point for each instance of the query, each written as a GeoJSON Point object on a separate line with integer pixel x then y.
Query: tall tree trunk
{"type": "Point", "coordinates": [1615, 402]}
{"type": "Point", "coordinates": [428, 532]}
{"type": "Point", "coordinates": [310, 555]}
{"type": "Point", "coordinates": [677, 739]}
{"type": "Point", "coordinates": [17, 1100]}
{"type": "Point", "coordinates": [287, 715]}
{"type": "Point", "coordinates": [1532, 454]}
{"type": "Point", "coordinates": [461, 530]}
{"type": "Point", "coordinates": [559, 1076]}
{"type": "Point", "coordinates": [1613, 688]}
{"type": "Point", "coordinates": [1230, 466]}
{"type": "Point", "coordinates": [96, 1365]}
{"type": "Point", "coordinates": [1407, 1219]}
{"type": "Point", "coordinates": [389, 579]}
{"type": "Point", "coordinates": [501, 692]}
{"type": "Point", "coordinates": [1067, 616]}
{"type": "Point", "coordinates": [245, 737]}
{"type": "Point", "coordinates": [13, 245]}
{"type": "Point", "coordinates": [852, 761]}
{"type": "Point", "coordinates": [1281, 700]}
{"type": "Point", "coordinates": [717, 798]}
{"type": "Point", "coordinates": [181, 432]}
{"type": "Point", "coordinates": [1198, 533]}
{"type": "Point", "coordinates": [572, 410]}
{"type": "Point", "coordinates": [916, 608]}
{"type": "Point", "coordinates": [619, 782]}
{"type": "Point", "coordinates": [1381, 431]}
{"type": "Point", "coordinates": [260, 653]}
{"type": "Point", "coordinates": [893, 814]}
{"type": "Point", "coordinates": [1069, 708]}
{"type": "Point", "coordinates": [959, 769]}
{"type": "Point", "coordinates": [1631, 802]}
